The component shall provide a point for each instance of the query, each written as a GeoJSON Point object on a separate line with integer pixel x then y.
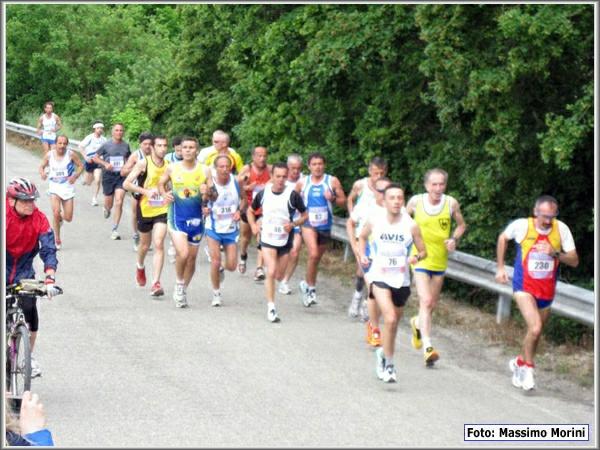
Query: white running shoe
{"type": "Point", "coordinates": [94, 201]}
{"type": "Point", "coordinates": [35, 368]}
{"type": "Point", "coordinates": [312, 297]}
{"type": "Point", "coordinates": [363, 311]}
{"type": "Point", "coordinates": [259, 274]}
{"type": "Point", "coordinates": [171, 254]}
{"type": "Point", "coordinates": [216, 301]}
{"type": "Point", "coordinates": [284, 288]}
{"type": "Point", "coordinates": [527, 378]}
{"type": "Point", "coordinates": [355, 304]}
{"type": "Point", "coordinates": [105, 212]}
{"type": "Point", "coordinates": [115, 236]}
{"type": "Point", "coordinates": [179, 296]}
{"type": "Point", "coordinates": [207, 253]}
{"type": "Point", "coordinates": [389, 374]}
{"type": "Point", "coordinates": [380, 363]}
{"type": "Point", "coordinates": [517, 377]}
{"type": "Point", "coordinates": [272, 315]}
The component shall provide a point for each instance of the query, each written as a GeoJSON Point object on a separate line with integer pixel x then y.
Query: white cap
{"type": "Point", "coordinates": [98, 125]}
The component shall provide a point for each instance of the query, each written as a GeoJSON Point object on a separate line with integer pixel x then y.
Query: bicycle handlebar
{"type": "Point", "coordinates": [30, 287]}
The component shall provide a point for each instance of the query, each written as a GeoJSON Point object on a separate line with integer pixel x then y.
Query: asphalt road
{"type": "Point", "coordinates": [121, 369]}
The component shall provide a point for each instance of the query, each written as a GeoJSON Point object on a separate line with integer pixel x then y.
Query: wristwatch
{"type": "Point", "coordinates": [556, 254]}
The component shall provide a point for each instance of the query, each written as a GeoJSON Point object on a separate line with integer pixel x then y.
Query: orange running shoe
{"type": "Point", "coordinates": [375, 337]}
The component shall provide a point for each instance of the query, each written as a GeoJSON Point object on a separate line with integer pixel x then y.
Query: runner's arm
{"type": "Point", "coordinates": [129, 164]}
{"type": "Point", "coordinates": [129, 185]}
{"type": "Point", "coordinates": [461, 225]}
{"type": "Point", "coordinates": [569, 258]}
{"type": "Point", "coordinates": [362, 244]}
{"type": "Point", "coordinates": [79, 164]}
{"type": "Point", "coordinates": [410, 206]}
{"type": "Point", "coordinates": [43, 165]}
{"type": "Point", "coordinates": [39, 126]}
{"type": "Point", "coordinates": [162, 185]}
{"type": "Point", "coordinates": [338, 191]}
{"type": "Point", "coordinates": [502, 244]}
{"type": "Point", "coordinates": [250, 213]}
{"type": "Point", "coordinates": [354, 192]}
{"type": "Point", "coordinates": [419, 244]}
{"type": "Point", "coordinates": [58, 123]}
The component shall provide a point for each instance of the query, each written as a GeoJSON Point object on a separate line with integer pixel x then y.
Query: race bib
{"type": "Point", "coordinates": [156, 200]}
{"type": "Point", "coordinates": [225, 212]}
{"type": "Point", "coordinates": [59, 176]}
{"type": "Point", "coordinates": [318, 215]}
{"type": "Point", "coordinates": [274, 233]}
{"type": "Point", "coordinates": [540, 265]}
{"type": "Point", "coordinates": [48, 135]}
{"type": "Point", "coordinates": [391, 264]}
{"type": "Point", "coordinates": [117, 162]}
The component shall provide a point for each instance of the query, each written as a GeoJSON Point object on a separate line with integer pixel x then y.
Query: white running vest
{"type": "Point", "coordinates": [222, 210]}
{"type": "Point", "coordinates": [275, 215]}
{"type": "Point", "coordinates": [389, 251]}
{"type": "Point", "coordinates": [60, 170]}
{"type": "Point", "coordinates": [48, 125]}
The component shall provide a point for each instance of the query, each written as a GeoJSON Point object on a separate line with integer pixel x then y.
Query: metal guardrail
{"type": "Point", "coordinates": [31, 132]}
{"type": "Point", "coordinates": [570, 301]}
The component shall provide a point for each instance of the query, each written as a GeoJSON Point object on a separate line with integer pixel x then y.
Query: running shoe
{"type": "Point", "coordinates": [389, 374]}
{"type": "Point", "coordinates": [304, 290]}
{"type": "Point", "coordinates": [517, 373]}
{"type": "Point", "coordinates": [94, 201]}
{"type": "Point", "coordinates": [527, 378]}
{"type": "Point", "coordinates": [140, 276]}
{"type": "Point", "coordinates": [259, 274]}
{"type": "Point", "coordinates": [416, 333]}
{"type": "Point", "coordinates": [156, 290]}
{"type": "Point", "coordinates": [354, 304]}
{"type": "Point", "coordinates": [216, 301]}
{"type": "Point", "coordinates": [272, 315]}
{"type": "Point", "coordinates": [136, 242]}
{"type": "Point", "coordinates": [375, 340]}
{"type": "Point", "coordinates": [380, 363]}
{"type": "Point", "coordinates": [430, 356]}
{"type": "Point", "coordinates": [36, 371]}
{"type": "Point", "coordinates": [171, 254]}
{"type": "Point", "coordinates": [369, 332]}
{"type": "Point", "coordinates": [242, 265]}
{"type": "Point", "coordinates": [179, 296]}
{"type": "Point", "coordinates": [284, 288]}
{"type": "Point", "coordinates": [115, 236]}
{"type": "Point", "coordinates": [106, 212]}
{"type": "Point", "coordinates": [58, 244]}
{"type": "Point", "coordinates": [363, 311]}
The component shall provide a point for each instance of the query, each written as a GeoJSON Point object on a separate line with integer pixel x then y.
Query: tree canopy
{"type": "Point", "coordinates": [500, 96]}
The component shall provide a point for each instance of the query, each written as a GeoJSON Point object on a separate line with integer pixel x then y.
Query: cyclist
{"type": "Point", "coordinates": [61, 180]}
{"type": "Point", "coordinates": [28, 233]}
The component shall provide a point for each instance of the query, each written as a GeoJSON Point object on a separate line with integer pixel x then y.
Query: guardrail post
{"type": "Point", "coordinates": [503, 308]}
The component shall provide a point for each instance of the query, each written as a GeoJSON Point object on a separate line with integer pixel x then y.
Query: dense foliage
{"type": "Point", "coordinates": [501, 96]}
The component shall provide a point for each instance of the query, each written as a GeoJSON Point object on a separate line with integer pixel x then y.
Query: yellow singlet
{"type": "Point", "coordinates": [435, 229]}
{"type": "Point", "coordinates": [155, 206]}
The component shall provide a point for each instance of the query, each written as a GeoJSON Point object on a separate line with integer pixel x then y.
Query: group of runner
{"type": "Point", "coordinates": [194, 192]}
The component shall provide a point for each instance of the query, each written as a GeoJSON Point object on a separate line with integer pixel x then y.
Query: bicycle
{"type": "Point", "coordinates": [18, 351]}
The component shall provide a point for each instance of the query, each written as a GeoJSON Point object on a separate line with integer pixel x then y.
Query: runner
{"type": "Point", "coordinates": [222, 224]}
{"type": "Point", "coordinates": [542, 243]}
{"type": "Point", "coordinates": [363, 192]}
{"type": "Point", "coordinates": [191, 190]}
{"type": "Point", "coordinates": [173, 157]}
{"type": "Point", "coordinates": [278, 204]}
{"type": "Point", "coordinates": [111, 156]}
{"type": "Point", "coordinates": [221, 147]}
{"type": "Point", "coordinates": [294, 164]}
{"type": "Point", "coordinates": [391, 237]}
{"type": "Point", "coordinates": [319, 191]}
{"type": "Point", "coordinates": [152, 211]}
{"type": "Point", "coordinates": [145, 140]}
{"type": "Point", "coordinates": [354, 225]}
{"type": "Point", "coordinates": [47, 126]}
{"type": "Point", "coordinates": [253, 178]}
{"type": "Point", "coordinates": [61, 185]}
{"type": "Point", "coordinates": [433, 212]}
{"type": "Point", "coordinates": [27, 234]}
{"type": "Point", "coordinates": [88, 147]}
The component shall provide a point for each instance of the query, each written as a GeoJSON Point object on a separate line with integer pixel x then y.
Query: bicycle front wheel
{"type": "Point", "coordinates": [19, 354]}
